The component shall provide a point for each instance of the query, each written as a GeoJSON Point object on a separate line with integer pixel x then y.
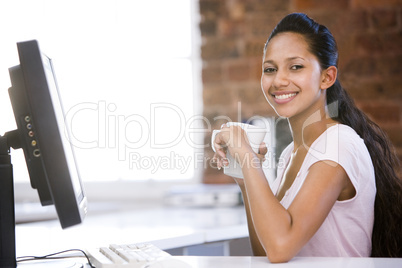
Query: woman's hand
{"type": "Point", "coordinates": [234, 139]}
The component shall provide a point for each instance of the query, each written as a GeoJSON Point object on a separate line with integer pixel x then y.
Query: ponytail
{"type": "Point", "coordinates": [387, 230]}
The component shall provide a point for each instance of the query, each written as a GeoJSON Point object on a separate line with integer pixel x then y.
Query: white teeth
{"type": "Point", "coordinates": [285, 96]}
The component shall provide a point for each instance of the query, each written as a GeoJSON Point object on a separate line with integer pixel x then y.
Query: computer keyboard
{"type": "Point", "coordinates": [133, 256]}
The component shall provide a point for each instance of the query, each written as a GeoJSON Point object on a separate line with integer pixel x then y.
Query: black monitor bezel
{"type": "Point", "coordinates": [50, 171]}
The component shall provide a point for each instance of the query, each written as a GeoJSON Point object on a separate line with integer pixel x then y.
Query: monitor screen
{"type": "Point", "coordinates": [44, 135]}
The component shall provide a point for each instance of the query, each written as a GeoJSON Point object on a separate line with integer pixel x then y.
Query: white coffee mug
{"type": "Point", "coordinates": [255, 136]}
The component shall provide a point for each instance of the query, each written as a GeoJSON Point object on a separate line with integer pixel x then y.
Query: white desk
{"type": "Point", "coordinates": [166, 228]}
{"type": "Point", "coordinates": [252, 262]}
{"type": "Point", "coordinates": [262, 262]}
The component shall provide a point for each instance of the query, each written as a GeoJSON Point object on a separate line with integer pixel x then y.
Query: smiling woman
{"type": "Point", "coordinates": [337, 193]}
{"type": "Point", "coordinates": [128, 72]}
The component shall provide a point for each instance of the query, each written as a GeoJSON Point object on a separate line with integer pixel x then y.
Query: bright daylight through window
{"type": "Point", "coordinates": [128, 78]}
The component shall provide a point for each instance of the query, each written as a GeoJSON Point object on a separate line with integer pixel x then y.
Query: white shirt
{"type": "Point", "coordinates": [347, 230]}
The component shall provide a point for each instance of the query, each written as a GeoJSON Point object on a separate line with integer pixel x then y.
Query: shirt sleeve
{"type": "Point", "coordinates": [340, 145]}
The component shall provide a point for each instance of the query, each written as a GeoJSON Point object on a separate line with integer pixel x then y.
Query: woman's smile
{"type": "Point", "coordinates": [283, 97]}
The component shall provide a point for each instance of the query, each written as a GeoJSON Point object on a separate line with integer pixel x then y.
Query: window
{"type": "Point", "coordinates": [128, 74]}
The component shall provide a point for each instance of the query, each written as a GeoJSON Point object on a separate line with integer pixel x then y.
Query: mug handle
{"type": "Point", "coordinates": [214, 133]}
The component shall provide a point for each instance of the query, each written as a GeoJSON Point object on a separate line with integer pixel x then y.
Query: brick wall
{"type": "Point", "coordinates": [369, 37]}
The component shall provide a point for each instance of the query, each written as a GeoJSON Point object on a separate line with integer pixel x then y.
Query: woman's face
{"type": "Point", "coordinates": [292, 77]}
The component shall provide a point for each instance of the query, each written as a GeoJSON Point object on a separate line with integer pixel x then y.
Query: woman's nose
{"type": "Point", "coordinates": [281, 79]}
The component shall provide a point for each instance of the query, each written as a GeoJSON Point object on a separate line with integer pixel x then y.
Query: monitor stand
{"type": "Point", "coordinates": [7, 214]}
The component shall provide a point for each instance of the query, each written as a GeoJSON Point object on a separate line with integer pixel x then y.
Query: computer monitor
{"type": "Point", "coordinates": [43, 135]}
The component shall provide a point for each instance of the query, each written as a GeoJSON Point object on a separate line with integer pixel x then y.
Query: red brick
{"type": "Point", "coordinates": [208, 27]}
{"type": "Point", "coordinates": [393, 42]}
{"type": "Point", "coordinates": [342, 23]}
{"type": "Point", "coordinates": [386, 66]}
{"type": "Point", "coordinates": [211, 8]}
{"type": "Point", "coordinates": [320, 4]}
{"type": "Point", "coordinates": [212, 74]}
{"type": "Point", "coordinates": [230, 28]}
{"type": "Point", "coordinates": [384, 18]}
{"type": "Point", "coordinates": [238, 71]}
{"type": "Point", "coordinates": [369, 43]}
{"type": "Point", "coordinates": [394, 133]}
{"type": "Point", "coordinates": [377, 89]}
{"type": "Point", "coordinates": [264, 6]}
{"type": "Point", "coordinates": [389, 66]}
{"type": "Point", "coordinates": [375, 3]}
{"type": "Point", "coordinates": [261, 26]}
{"type": "Point", "coordinates": [251, 94]}
{"type": "Point", "coordinates": [256, 68]}
{"type": "Point", "coordinates": [219, 49]}
{"type": "Point", "coordinates": [360, 67]}
{"type": "Point", "coordinates": [236, 10]}
{"type": "Point", "coordinates": [217, 95]}
{"type": "Point", "coordinates": [379, 43]}
{"type": "Point", "coordinates": [254, 48]}
{"type": "Point", "coordinates": [383, 112]}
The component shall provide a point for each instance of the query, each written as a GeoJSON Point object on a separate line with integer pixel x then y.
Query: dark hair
{"type": "Point", "coordinates": [387, 230]}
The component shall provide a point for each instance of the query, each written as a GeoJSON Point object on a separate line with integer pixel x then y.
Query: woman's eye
{"type": "Point", "coordinates": [296, 67]}
{"type": "Point", "coordinates": [269, 70]}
